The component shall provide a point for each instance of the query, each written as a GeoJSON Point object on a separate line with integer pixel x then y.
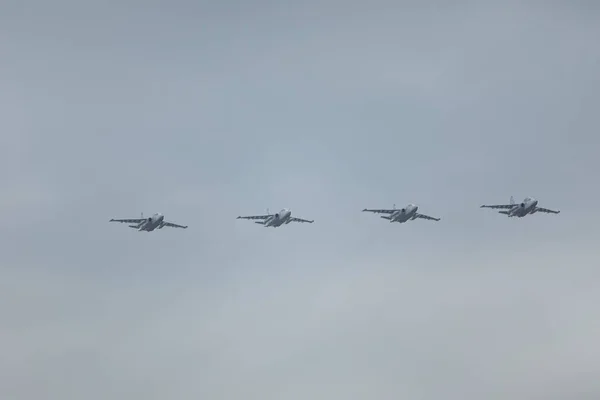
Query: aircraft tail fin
{"type": "Point", "coordinates": [512, 200]}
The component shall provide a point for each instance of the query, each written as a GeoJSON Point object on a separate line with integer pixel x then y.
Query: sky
{"type": "Point", "coordinates": [209, 110]}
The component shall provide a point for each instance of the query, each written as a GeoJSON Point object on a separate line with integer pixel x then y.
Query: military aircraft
{"type": "Point", "coordinates": [274, 220]}
{"type": "Point", "coordinates": [157, 221]}
{"type": "Point", "coordinates": [528, 206]}
{"type": "Point", "coordinates": [404, 214]}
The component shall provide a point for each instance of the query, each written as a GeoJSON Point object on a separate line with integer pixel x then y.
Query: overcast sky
{"type": "Point", "coordinates": [209, 110]}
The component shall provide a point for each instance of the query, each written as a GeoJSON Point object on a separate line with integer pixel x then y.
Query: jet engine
{"type": "Point", "coordinates": [149, 219]}
{"type": "Point", "coordinates": [522, 205]}
{"type": "Point", "coordinates": [277, 216]}
{"type": "Point", "coordinates": [403, 210]}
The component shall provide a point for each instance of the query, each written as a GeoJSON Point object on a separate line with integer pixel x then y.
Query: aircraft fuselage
{"type": "Point", "coordinates": [280, 218]}
{"type": "Point", "coordinates": [404, 214]}
{"type": "Point", "coordinates": [151, 223]}
{"type": "Point", "coordinates": [526, 207]}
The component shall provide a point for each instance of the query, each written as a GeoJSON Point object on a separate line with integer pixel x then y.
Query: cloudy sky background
{"type": "Point", "coordinates": [208, 110]}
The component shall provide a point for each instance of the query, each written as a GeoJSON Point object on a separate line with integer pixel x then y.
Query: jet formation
{"type": "Point", "coordinates": [408, 213]}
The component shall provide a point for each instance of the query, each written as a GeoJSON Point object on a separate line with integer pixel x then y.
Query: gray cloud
{"type": "Point", "coordinates": [205, 111]}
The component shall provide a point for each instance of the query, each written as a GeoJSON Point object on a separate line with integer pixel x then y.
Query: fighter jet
{"type": "Point", "coordinates": [407, 213]}
{"type": "Point", "coordinates": [275, 220]}
{"type": "Point", "coordinates": [157, 221]}
{"type": "Point", "coordinates": [528, 206]}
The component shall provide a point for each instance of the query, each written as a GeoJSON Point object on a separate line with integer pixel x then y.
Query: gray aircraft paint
{"type": "Point", "coordinates": [407, 213]}
{"type": "Point", "coordinates": [275, 220]}
{"type": "Point", "coordinates": [151, 223]}
{"type": "Point", "coordinates": [156, 221]}
{"type": "Point", "coordinates": [528, 206]}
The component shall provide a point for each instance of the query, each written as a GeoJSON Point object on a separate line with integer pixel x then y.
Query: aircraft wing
{"type": "Point", "coordinates": [294, 219]}
{"type": "Point", "coordinates": [172, 225]}
{"type": "Point", "coordinates": [380, 211]}
{"type": "Point", "coordinates": [545, 210]}
{"type": "Point", "coordinates": [129, 221]}
{"type": "Point", "coordinates": [505, 206]}
{"type": "Point", "coordinates": [256, 217]}
{"type": "Point", "coordinates": [423, 216]}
